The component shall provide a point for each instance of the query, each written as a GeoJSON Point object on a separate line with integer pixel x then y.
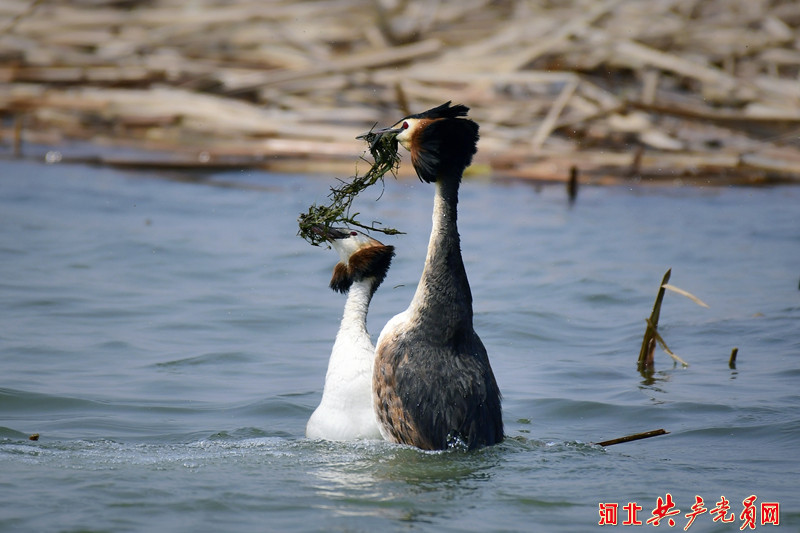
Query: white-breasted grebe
{"type": "Point", "coordinates": [433, 385]}
{"type": "Point", "coordinates": [346, 410]}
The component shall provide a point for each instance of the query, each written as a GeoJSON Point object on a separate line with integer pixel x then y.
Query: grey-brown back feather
{"type": "Point", "coordinates": [447, 394]}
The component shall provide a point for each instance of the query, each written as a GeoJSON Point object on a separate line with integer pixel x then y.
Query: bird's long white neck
{"type": "Point", "coordinates": [354, 318]}
{"type": "Point", "coordinates": [345, 411]}
{"type": "Point", "coordinates": [443, 299]}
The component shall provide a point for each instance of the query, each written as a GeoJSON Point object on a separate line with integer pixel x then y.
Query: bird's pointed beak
{"type": "Point", "coordinates": [373, 133]}
{"type": "Point", "coordinates": [328, 233]}
{"type": "Point", "coordinates": [373, 137]}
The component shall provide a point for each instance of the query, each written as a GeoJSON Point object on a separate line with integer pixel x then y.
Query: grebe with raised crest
{"type": "Point", "coordinates": [433, 385]}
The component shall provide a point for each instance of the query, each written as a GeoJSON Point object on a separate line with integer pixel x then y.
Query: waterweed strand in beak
{"type": "Point", "coordinates": [377, 140]}
{"type": "Point", "coordinates": [329, 233]}
{"type": "Point", "coordinates": [383, 148]}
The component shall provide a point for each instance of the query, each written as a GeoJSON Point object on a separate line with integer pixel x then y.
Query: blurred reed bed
{"type": "Point", "coordinates": [697, 90]}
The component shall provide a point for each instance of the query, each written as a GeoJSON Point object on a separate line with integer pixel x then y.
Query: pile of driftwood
{"type": "Point", "coordinates": [696, 90]}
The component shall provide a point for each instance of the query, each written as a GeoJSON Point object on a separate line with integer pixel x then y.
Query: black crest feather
{"type": "Point", "coordinates": [443, 111]}
{"type": "Point", "coordinates": [446, 144]}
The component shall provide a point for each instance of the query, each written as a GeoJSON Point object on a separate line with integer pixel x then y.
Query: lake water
{"type": "Point", "coordinates": [167, 337]}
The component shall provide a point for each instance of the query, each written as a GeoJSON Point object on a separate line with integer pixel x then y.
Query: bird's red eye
{"type": "Point", "coordinates": [353, 233]}
{"type": "Point", "coordinates": [404, 126]}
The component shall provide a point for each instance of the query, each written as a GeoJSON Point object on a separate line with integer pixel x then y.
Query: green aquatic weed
{"type": "Point", "coordinates": [383, 148]}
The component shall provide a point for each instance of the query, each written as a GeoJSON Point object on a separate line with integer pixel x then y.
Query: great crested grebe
{"type": "Point", "coordinates": [346, 410]}
{"type": "Point", "coordinates": [433, 385]}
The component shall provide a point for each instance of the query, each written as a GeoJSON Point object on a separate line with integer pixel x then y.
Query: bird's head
{"type": "Point", "coordinates": [360, 257]}
{"type": "Point", "coordinates": [440, 141]}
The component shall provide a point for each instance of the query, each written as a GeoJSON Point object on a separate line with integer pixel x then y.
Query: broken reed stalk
{"type": "Point", "coordinates": [383, 148]}
{"type": "Point", "coordinates": [635, 436]}
{"type": "Point", "coordinates": [688, 294]}
{"type": "Point", "coordinates": [732, 360]}
{"type": "Point", "coordinates": [572, 184]}
{"type": "Point", "coordinates": [652, 324]}
{"type": "Point", "coordinates": [657, 337]}
{"type": "Point", "coordinates": [651, 335]}
{"type": "Point", "coordinates": [650, 356]}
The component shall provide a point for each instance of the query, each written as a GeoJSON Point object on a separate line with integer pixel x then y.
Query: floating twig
{"type": "Point", "coordinates": [635, 436]}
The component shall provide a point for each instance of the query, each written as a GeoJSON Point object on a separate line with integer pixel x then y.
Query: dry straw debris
{"type": "Point", "coordinates": [697, 90]}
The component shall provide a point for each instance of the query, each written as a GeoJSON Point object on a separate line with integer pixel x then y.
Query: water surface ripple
{"type": "Point", "coordinates": [168, 339]}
